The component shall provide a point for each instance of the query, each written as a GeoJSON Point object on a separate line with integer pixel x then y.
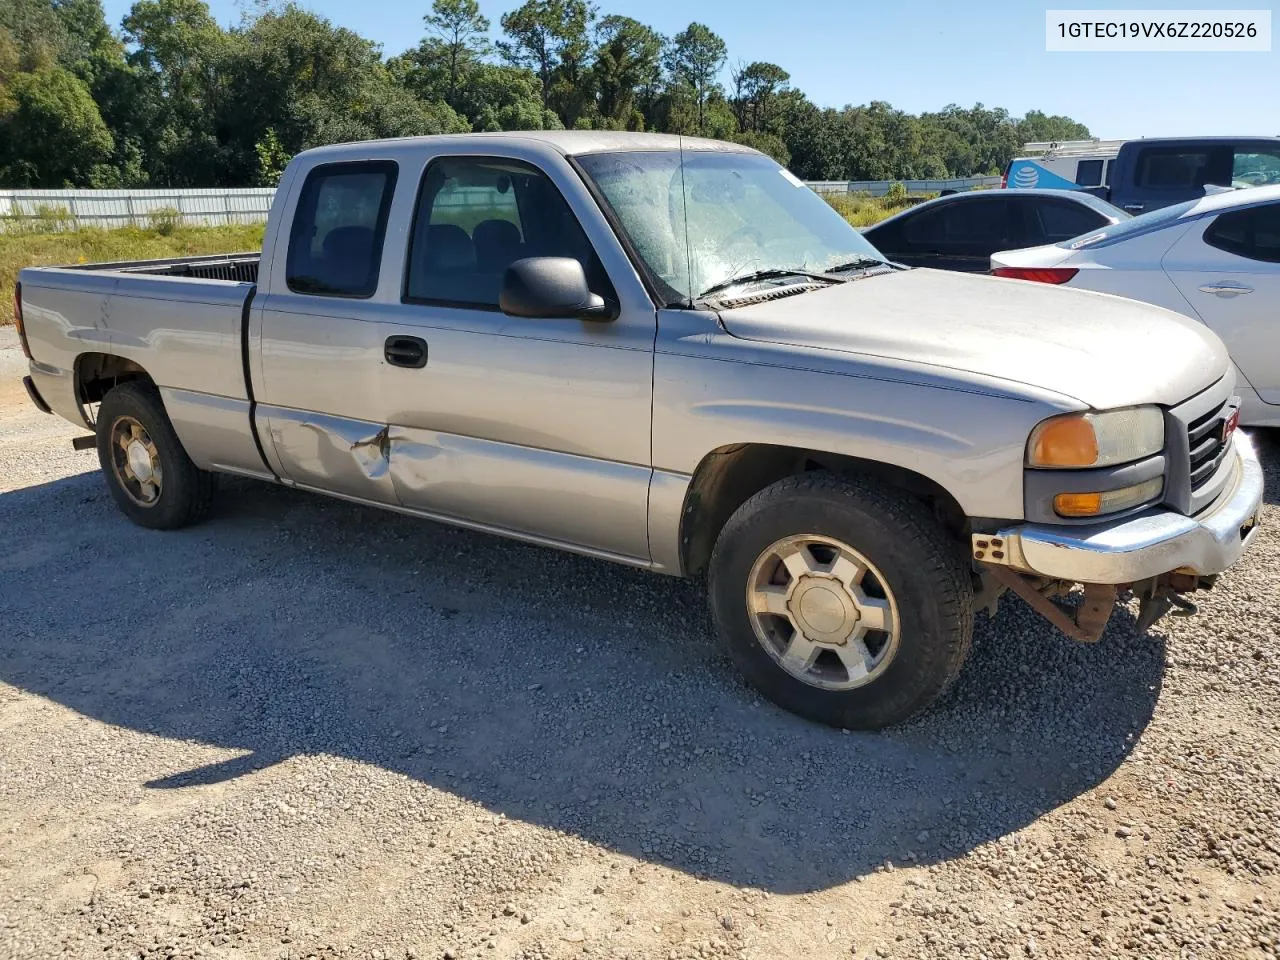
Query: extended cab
{"type": "Point", "coordinates": [670, 353]}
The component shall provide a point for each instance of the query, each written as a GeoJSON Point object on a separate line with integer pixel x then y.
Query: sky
{"type": "Point", "coordinates": [923, 54]}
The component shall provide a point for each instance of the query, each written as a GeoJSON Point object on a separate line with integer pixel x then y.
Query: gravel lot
{"type": "Point", "coordinates": [309, 729]}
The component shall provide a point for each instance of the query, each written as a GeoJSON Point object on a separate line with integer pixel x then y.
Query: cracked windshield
{"type": "Point", "coordinates": [744, 214]}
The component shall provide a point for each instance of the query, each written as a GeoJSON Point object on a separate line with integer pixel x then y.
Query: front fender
{"type": "Point", "coordinates": [970, 443]}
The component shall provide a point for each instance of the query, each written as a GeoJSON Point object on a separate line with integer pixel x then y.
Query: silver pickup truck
{"type": "Point", "coordinates": [670, 353]}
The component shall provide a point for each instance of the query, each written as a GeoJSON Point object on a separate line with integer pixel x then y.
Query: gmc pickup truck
{"type": "Point", "coordinates": [670, 353]}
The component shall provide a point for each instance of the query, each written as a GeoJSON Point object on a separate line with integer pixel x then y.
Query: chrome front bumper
{"type": "Point", "coordinates": [1147, 545]}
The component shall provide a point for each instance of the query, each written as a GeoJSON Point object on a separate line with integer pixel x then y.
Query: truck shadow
{"type": "Point", "coordinates": [558, 690]}
{"type": "Point", "coordinates": [1267, 443]}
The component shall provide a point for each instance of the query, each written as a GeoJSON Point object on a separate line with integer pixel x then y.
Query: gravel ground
{"type": "Point", "coordinates": [307, 729]}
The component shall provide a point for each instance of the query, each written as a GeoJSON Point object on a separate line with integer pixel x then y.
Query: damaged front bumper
{"type": "Point", "coordinates": [1141, 547]}
{"type": "Point", "coordinates": [1158, 554]}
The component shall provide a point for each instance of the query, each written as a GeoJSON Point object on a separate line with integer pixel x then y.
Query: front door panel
{"type": "Point", "coordinates": [540, 427]}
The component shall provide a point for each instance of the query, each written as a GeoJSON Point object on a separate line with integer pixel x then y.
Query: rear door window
{"type": "Point", "coordinates": [976, 227]}
{"type": "Point", "coordinates": [335, 242]}
{"type": "Point", "coordinates": [1253, 233]}
{"type": "Point", "coordinates": [1052, 221]}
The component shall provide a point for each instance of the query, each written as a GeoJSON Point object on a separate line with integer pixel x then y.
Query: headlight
{"type": "Point", "coordinates": [1097, 439]}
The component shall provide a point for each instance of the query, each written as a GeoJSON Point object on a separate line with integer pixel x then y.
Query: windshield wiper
{"type": "Point", "coordinates": [859, 264]}
{"type": "Point", "coordinates": [771, 274]}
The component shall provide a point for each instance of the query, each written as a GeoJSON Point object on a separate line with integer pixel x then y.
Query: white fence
{"type": "Point", "coordinates": [67, 209]}
{"type": "Point", "coordinates": [121, 208]}
{"type": "Point", "coordinates": [878, 188]}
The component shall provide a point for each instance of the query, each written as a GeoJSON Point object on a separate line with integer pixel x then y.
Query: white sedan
{"type": "Point", "coordinates": [1216, 260]}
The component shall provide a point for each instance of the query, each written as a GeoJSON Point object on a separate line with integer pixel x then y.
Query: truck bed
{"type": "Point", "coordinates": [181, 320]}
{"type": "Point", "coordinates": [236, 267]}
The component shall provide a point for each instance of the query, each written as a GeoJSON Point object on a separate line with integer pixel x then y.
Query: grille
{"type": "Point", "coordinates": [1205, 446]}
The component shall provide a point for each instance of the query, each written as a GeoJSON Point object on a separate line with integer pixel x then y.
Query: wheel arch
{"type": "Point", "coordinates": [730, 475]}
{"type": "Point", "coordinates": [95, 373]}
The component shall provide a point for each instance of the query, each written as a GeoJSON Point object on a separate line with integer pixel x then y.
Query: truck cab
{"type": "Point", "coordinates": [1150, 174]}
{"type": "Point", "coordinates": [1143, 175]}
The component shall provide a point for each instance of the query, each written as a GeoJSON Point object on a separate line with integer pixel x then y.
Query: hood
{"type": "Point", "coordinates": [1101, 350]}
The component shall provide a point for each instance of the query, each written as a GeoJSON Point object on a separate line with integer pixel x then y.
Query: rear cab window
{"type": "Point", "coordinates": [1255, 166]}
{"type": "Point", "coordinates": [1182, 168]}
{"type": "Point", "coordinates": [339, 225]}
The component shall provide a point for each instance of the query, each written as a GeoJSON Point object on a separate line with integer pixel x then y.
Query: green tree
{"type": "Point", "coordinates": [694, 58]}
{"type": "Point", "coordinates": [463, 35]}
{"type": "Point", "coordinates": [1038, 126]}
{"type": "Point", "coordinates": [628, 62]}
{"type": "Point", "coordinates": [552, 38]}
{"type": "Point", "coordinates": [53, 134]}
{"type": "Point", "coordinates": [295, 73]}
{"type": "Point", "coordinates": [272, 158]}
{"type": "Point", "coordinates": [755, 88]}
{"type": "Point", "coordinates": [179, 54]}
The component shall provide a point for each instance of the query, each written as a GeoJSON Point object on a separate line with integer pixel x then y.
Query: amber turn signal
{"type": "Point", "coordinates": [1108, 501]}
{"type": "Point", "coordinates": [1067, 441]}
{"type": "Point", "coordinates": [1078, 504]}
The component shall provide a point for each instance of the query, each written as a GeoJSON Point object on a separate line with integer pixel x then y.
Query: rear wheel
{"type": "Point", "coordinates": [148, 472]}
{"type": "Point", "coordinates": [840, 601]}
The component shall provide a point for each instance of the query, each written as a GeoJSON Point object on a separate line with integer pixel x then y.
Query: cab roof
{"type": "Point", "coordinates": [567, 142]}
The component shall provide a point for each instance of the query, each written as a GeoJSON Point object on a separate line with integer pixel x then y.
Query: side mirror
{"type": "Point", "coordinates": [544, 288]}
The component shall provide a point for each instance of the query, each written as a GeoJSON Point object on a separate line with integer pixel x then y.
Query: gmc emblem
{"type": "Point", "coordinates": [1229, 425]}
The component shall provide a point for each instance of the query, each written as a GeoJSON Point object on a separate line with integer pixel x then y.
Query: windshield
{"type": "Point", "coordinates": [1128, 228]}
{"type": "Point", "coordinates": [698, 219]}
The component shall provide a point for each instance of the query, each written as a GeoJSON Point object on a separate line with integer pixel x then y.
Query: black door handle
{"type": "Point", "coordinates": [408, 352]}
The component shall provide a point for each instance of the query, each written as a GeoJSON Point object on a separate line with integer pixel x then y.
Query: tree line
{"type": "Point", "coordinates": [173, 99]}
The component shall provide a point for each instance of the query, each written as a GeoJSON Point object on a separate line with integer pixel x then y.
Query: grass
{"type": "Point", "coordinates": [22, 248]}
{"type": "Point", "coordinates": [863, 210]}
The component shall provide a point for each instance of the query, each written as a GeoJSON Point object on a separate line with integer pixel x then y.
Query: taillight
{"type": "Point", "coordinates": [17, 319]}
{"type": "Point", "coordinates": [1037, 274]}
{"type": "Point", "coordinates": [1004, 180]}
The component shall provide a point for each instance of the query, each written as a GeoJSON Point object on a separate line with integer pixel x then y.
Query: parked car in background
{"type": "Point", "coordinates": [963, 230]}
{"type": "Point", "coordinates": [1216, 260]}
{"type": "Point", "coordinates": [670, 353]}
{"type": "Point", "coordinates": [1144, 175]}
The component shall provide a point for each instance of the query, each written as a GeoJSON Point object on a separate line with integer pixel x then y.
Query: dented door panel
{"type": "Point", "coordinates": [334, 454]}
{"type": "Point", "coordinates": [319, 395]}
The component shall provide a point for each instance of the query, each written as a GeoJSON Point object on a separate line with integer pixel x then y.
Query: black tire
{"type": "Point", "coordinates": [925, 569]}
{"type": "Point", "coordinates": [185, 491]}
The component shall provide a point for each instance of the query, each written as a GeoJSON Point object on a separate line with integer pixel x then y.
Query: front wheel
{"type": "Point", "coordinates": [840, 601]}
{"type": "Point", "coordinates": [150, 476]}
